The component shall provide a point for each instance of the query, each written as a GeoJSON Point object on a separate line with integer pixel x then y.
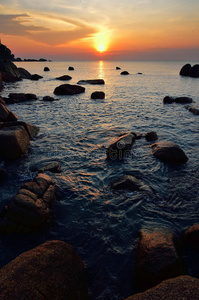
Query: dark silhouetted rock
{"type": "Point", "coordinates": [43, 166]}
{"type": "Point", "coordinates": [191, 236]}
{"type": "Point", "coordinates": [139, 73]}
{"type": "Point", "coordinates": [69, 89]}
{"type": "Point", "coordinates": [186, 70]}
{"type": "Point", "coordinates": [7, 77]}
{"type": "Point", "coordinates": [124, 73]}
{"type": "Point", "coordinates": [91, 81]}
{"type": "Point", "coordinates": [24, 73]}
{"type": "Point", "coordinates": [19, 97]}
{"type": "Point", "coordinates": [7, 66]}
{"type": "Point", "coordinates": [36, 77]}
{"type": "Point", "coordinates": [1, 82]}
{"type": "Point", "coordinates": [182, 100]}
{"type": "Point", "coordinates": [49, 98]}
{"type": "Point", "coordinates": [6, 115]}
{"type": "Point", "coordinates": [169, 152]}
{"type": "Point", "coordinates": [3, 175]}
{"type": "Point", "coordinates": [30, 208]}
{"type": "Point", "coordinates": [194, 71]}
{"type": "Point", "coordinates": [156, 259]}
{"type": "Point", "coordinates": [194, 110]}
{"type": "Point", "coordinates": [52, 271]}
{"type": "Point", "coordinates": [120, 149]}
{"type": "Point", "coordinates": [178, 288]}
{"type": "Point", "coordinates": [118, 68]}
{"type": "Point", "coordinates": [98, 95]}
{"type": "Point", "coordinates": [64, 77]}
{"type": "Point", "coordinates": [70, 68]}
{"type": "Point", "coordinates": [15, 139]}
{"type": "Point", "coordinates": [151, 136]}
{"type": "Point", "coordinates": [46, 69]}
{"type": "Point", "coordinates": [131, 183]}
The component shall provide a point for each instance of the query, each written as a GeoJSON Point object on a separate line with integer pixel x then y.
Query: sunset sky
{"type": "Point", "coordinates": [101, 29]}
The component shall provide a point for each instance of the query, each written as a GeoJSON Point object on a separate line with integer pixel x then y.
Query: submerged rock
{"type": "Point", "coordinates": [30, 208]}
{"type": "Point", "coordinates": [194, 110]}
{"type": "Point", "coordinates": [43, 166]}
{"type": "Point", "coordinates": [91, 81]}
{"type": "Point", "coordinates": [169, 152]}
{"type": "Point", "coordinates": [19, 97]}
{"type": "Point", "coordinates": [15, 139]}
{"type": "Point", "coordinates": [98, 95]}
{"type": "Point", "coordinates": [182, 100]}
{"type": "Point", "coordinates": [69, 89]}
{"type": "Point", "coordinates": [151, 136]}
{"type": "Point", "coordinates": [157, 258]}
{"type": "Point", "coordinates": [49, 98]}
{"type": "Point", "coordinates": [178, 288]}
{"type": "Point", "coordinates": [64, 77]}
{"type": "Point", "coordinates": [52, 271]}
{"type": "Point", "coordinates": [120, 149]}
{"type": "Point", "coordinates": [129, 182]}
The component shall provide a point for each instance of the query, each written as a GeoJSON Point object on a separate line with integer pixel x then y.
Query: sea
{"type": "Point", "coordinates": [100, 223]}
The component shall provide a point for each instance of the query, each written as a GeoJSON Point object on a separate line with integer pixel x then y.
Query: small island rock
{"type": "Point", "coordinates": [64, 77]}
{"type": "Point", "coordinates": [124, 73]}
{"type": "Point", "coordinates": [69, 89]}
{"type": "Point", "coordinates": [46, 69]}
{"type": "Point", "coordinates": [98, 95]}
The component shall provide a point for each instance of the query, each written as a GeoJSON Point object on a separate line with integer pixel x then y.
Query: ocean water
{"type": "Point", "coordinates": [102, 224]}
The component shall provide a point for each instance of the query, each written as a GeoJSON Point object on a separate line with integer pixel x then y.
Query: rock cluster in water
{"type": "Point", "coordinates": [190, 71]}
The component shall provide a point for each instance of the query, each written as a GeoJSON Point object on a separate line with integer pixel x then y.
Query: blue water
{"type": "Point", "coordinates": [100, 223]}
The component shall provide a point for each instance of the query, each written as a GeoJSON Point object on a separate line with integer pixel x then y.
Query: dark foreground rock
{"type": "Point", "coordinates": [30, 208]}
{"type": "Point", "coordinates": [188, 70]}
{"type": "Point", "coordinates": [52, 271]}
{"type": "Point", "coordinates": [194, 110]}
{"type": "Point", "coordinates": [64, 77]}
{"type": "Point", "coordinates": [169, 152]}
{"type": "Point", "coordinates": [15, 139]}
{"type": "Point", "coordinates": [131, 183]}
{"type": "Point", "coordinates": [6, 115]}
{"type": "Point", "coordinates": [157, 258]}
{"type": "Point", "coordinates": [91, 81]}
{"type": "Point", "coordinates": [124, 73]}
{"type": "Point", "coordinates": [24, 74]}
{"type": "Point", "coordinates": [19, 97]}
{"type": "Point", "coordinates": [10, 72]}
{"type": "Point", "coordinates": [182, 100]}
{"type": "Point", "coordinates": [35, 77]}
{"type": "Point", "coordinates": [98, 95]}
{"type": "Point", "coordinates": [191, 236]}
{"type": "Point", "coordinates": [69, 89]}
{"type": "Point", "coordinates": [182, 287]}
{"type": "Point", "coordinates": [120, 149]}
{"type": "Point", "coordinates": [3, 175]}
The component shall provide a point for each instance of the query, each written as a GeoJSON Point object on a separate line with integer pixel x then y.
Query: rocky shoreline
{"type": "Point", "coordinates": [54, 270]}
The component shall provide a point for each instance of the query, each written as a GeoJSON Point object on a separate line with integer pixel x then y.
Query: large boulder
{"type": "Point", "coordinates": [30, 208]}
{"type": "Point", "coordinates": [156, 259]}
{"type": "Point", "coordinates": [24, 73]}
{"type": "Point", "coordinates": [64, 77]}
{"type": "Point", "coordinates": [6, 115]}
{"type": "Point", "coordinates": [15, 139]}
{"type": "Point", "coordinates": [68, 89]}
{"type": "Point", "coordinates": [131, 183]}
{"type": "Point", "coordinates": [185, 70]}
{"type": "Point", "coordinates": [91, 81]}
{"type": "Point", "coordinates": [19, 97]}
{"type": "Point", "coordinates": [120, 149]}
{"type": "Point", "coordinates": [52, 271]}
{"type": "Point", "coordinates": [6, 66]}
{"type": "Point", "coordinates": [169, 152]}
{"type": "Point", "coordinates": [182, 287]}
{"type": "Point", "coordinates": [191, 236]}
{"type": "Point", "coordinates": [194, 71]}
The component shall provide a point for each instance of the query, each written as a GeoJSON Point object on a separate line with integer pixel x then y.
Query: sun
{"type": "Point", "coordinates": [101, 42]}
{"type": "Point", "coordinates": [101, 48]}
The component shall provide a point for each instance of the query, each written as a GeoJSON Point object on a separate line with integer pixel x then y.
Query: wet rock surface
{"type": "Point", "coordinates": [169, 152]}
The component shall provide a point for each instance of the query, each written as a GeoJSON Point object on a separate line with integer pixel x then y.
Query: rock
{"type": "Point", "coordinates": [194, 110]}
{"type": "Point", "coordinates": [182, 287]}
{"type": "Point", "coordinates": [46, 69]}
{"type": "Point", "coordinates": [36, 77]}
{"type": "Point", "coordinates": [139, 73]}
{"type": "Point", "coordinates": [151, 136]}
{"type": "Point", "coordinates": [52, 271]}
{"type": "Point", "coordinates": [48, 98]}
{"type": "Point", "coordinates": [2, 101]}
{"type": "Point", "coordinates": [194, 71]}
{"type": "Point", "coordinates": [24, 73]}
{"type": "Point", "coordinates": [69, 89]}
{"type": "Point", "coordinates": [30, 208]}
{"type": "Point", "coordinates": [15, 139]}
{"type": "Point", "coordinates": [19, 97]}
{"type": "Point", "coordinates": [98, 95]}
{"type": "Point", "coordinates": [6, 66]}
{"type": "Point", "coordinates": [70, 68]}
{"type": "Point", "coordinates": [186, 70]}
{"type": "Point", "coordinates": [6, 115]}
{"type": "Point", "coordinates": [43, 166]}
{"type": "Point", "coordinates": [118, 68]}
{"type": "Point", "coordinates": [3, 175]}
{"type": "Point", "coordinates": [191, 236]}
{"type": "Point", "coordinates": [7, 77]}
{"type": "Point", "coordinates": [169, 152]}
{"type": "Point", "coordinates": [91, 81]}
{"type": "Point", "coordinates": [0, 82]}
{"type": "Point", "coordinates": [131, 183]}
{"type": "Point", "coordinates": [121, 148]}
{"type": "Point", "coordinates": [64, 77]}
{"type": "Point", "coordinates": [182, 100]}
{"type": "Point", "coordinates": [124, 73]}
{"type": "Point", "coordinates": [156, 259]}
